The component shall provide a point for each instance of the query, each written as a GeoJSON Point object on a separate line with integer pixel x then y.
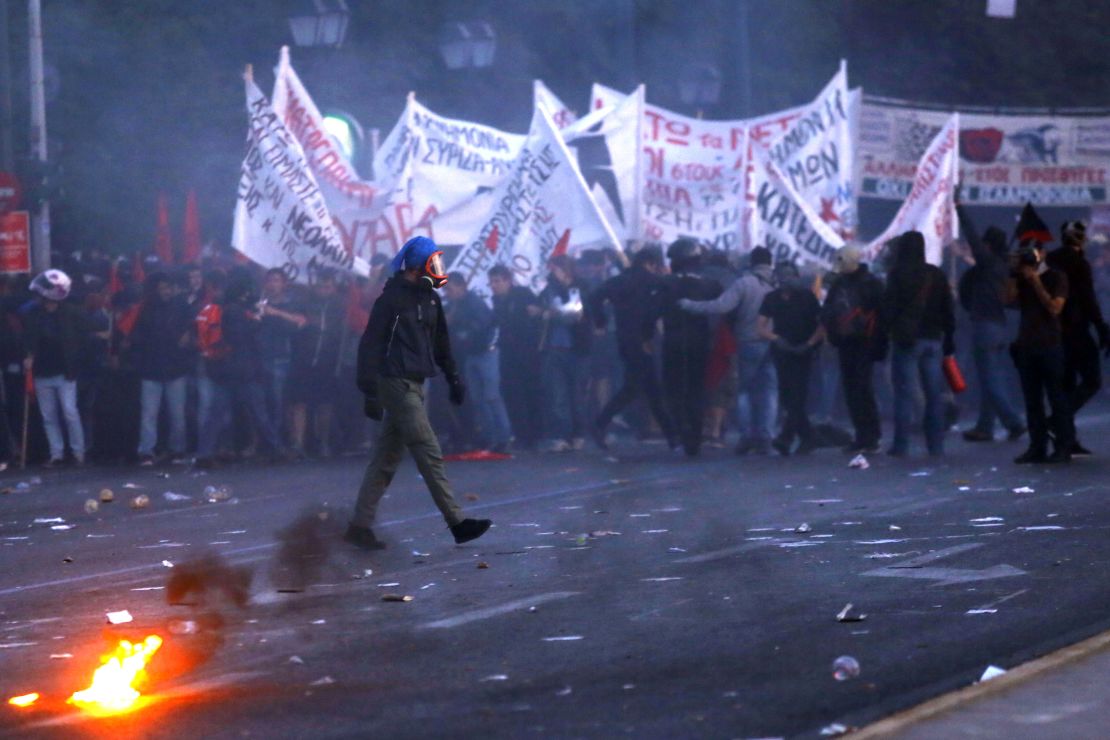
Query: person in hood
{"type": "Point", "coordinates": [1082, 367]}
{"type": "Point", "coordinates": [687, 338]}
{"type": "Point", "coordinates": [982, 292]}
{"type": "Point", "coordinates": [919, 317]}
{"type": "Point", "coordinates": [754, 364]}
{"type": "Point", "coordinates": [404, 342]}
{"type": "Point", "coordinates": [850, 316]}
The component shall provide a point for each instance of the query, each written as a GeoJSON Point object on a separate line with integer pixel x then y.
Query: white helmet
{"type": "Point", "coordinates": [52, 285]}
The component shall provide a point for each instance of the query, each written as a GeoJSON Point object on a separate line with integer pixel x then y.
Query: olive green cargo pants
{"type": "Point", "coordinates": [405, 424]}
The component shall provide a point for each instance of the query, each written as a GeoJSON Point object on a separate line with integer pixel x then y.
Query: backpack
{"type": "Point", "coordinates": [847, 319]}
{"type": "Point", "coordinates": [210, 339]}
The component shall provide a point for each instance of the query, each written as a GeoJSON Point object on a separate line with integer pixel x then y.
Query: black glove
{"type": "Point", "coordinates": [1104, 338]}
{"type": "Point", "coordinates": [456, 391]}
{"type": "Point", "coordinates": [372, 407]}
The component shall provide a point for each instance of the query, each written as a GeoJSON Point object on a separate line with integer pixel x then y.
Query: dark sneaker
{"type": "Point", "coordinates": [898, 452]}
{"type": "Point", "coordinates": [1078, 450]}
{"type": "Point", "coordinates": [363, 537]}
{"type": "Point", "coordinates": [469, 529]}
{"type": "Point", "coordinates": [806, 448]}
{"type": "Point", "coordinates": [781, 446]}
{"type": "Point", "coordinates": [1016, 433]}
{"type": "Point", "coordinates": [1030, 457]}
{"type": "Point", "coordinates": [600, 435]}
{"type": "Point", "coordinates": [977, 435]}
{"type": "Point", "coordinates": [1059, 456]}
{"type": "Point", "coordinates": [745, 446]}
{"type": "Point", "coordinates": [54, 462]}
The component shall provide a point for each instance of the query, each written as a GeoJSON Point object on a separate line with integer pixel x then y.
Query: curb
{"type": "Point", "coordinates": [978, 691]}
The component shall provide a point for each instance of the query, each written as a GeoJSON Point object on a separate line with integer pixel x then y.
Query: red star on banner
{"type": "Point", "coordinates": [493, 239]}
{"type": "Point", "coordinates": [562, 244]}
{"type": "Point", "coordinates": [828, 215]}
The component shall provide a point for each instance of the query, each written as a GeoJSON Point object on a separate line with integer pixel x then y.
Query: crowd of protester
{"type": "Point", "coordinates": [134, 361]}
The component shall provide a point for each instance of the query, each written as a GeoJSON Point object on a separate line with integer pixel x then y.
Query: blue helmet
{"type": "Point", "coordinates": [421, 253]}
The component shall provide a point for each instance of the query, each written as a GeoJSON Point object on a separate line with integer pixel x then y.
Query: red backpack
{"type": "Point", "coordinates": [210, 336]}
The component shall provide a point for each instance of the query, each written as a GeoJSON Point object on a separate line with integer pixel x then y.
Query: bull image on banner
{"type": "Point", "coordinates": [541, 209]}
{"type": "Point", "coordinates": [930, 206]}
{"type": "Point", "coordinates": [281, 219]}
{"type": "Point", "coordinates": [779, 219]}
{"type": "Point", "coordinates": [1005, 159]}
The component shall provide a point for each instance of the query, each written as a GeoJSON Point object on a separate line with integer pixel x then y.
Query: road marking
{"type": "Point", "coordinates": [991, 606]}
{"type": "Point", "coordinates": [915, 568]}
{"type": "Point", "coordinates": [493, 611]}
{"type": "Point", "coordinates": [706, 557]}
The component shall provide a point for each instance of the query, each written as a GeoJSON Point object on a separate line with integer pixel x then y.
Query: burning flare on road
{"type": "Point", "coordinates": [113, 686]}
{"type": "Point", "coordinates": [25, 700]}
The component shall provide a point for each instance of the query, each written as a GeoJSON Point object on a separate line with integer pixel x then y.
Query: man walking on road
{"type": "Point", "coordinates": [405, 339]}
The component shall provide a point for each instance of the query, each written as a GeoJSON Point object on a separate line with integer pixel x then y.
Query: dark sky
{"type": "Point", "coordinates": [150, 96]}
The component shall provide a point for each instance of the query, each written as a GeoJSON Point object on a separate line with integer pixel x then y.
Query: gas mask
{"type": "Point", "coordinates": [434, 272]}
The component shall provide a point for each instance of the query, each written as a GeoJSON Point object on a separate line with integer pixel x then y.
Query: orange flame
{"type": "Point", "coordinates": [113, 685]}
{"type": "Point", "coordinates": [25, 700]}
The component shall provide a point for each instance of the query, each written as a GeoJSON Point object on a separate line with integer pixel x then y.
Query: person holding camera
{"type": "Point", "coordinates": [1040, 293]}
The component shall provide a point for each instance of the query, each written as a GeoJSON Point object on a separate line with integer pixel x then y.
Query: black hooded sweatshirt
{"type": "Point", "coordinates": [1081, 310]}
{"type": "Point", "coordinates": [406, 336]}
{"type": "Point", "coordinates": [982, 288]}
{"type": "Point", "coordinates": [917, 304]}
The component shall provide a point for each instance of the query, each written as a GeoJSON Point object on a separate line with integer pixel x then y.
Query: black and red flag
{"type": "Point", "coordinates": [1031, 227]}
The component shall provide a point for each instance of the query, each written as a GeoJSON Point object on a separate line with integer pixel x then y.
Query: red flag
{"type": "Point", "coordinates": [191, 247]}
{"type": "Point", "coordinates": [138, 274]}
{"type": "Point", "coordinates": [493, 239]}
{"type": "Point", "coordinates": [561, 246]}
{"type": "Point", "coordinates": [1030, 226]}
{"type": "Point", "coordinates": [115, 285]}
{"type": "Point", "coordinates": [163, 244]}
{"type": "Point", "coordinates": [127, 319]}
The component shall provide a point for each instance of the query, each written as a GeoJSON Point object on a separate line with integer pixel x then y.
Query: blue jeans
{"type": "Point", "coordinates": [226, 395]}
{"type": "Point", "coordinates": [483, 375]}
{"type": "Point", "coordinates": [564, 377]}
{"type": "Point", "coordinates": [923, 357]}
{"type": "Point", "coordinates": [277, 374]}
{"type": "Point", "coordinates": [990, 348]}
{"type": "Point", "coordinates": [58, 394]}
{"type": "Point", "coordinates": [760, 384]}
{"type": "Point", "coordinates": [152, 393]}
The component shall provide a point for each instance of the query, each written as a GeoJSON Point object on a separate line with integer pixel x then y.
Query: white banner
{"type": "Point", "coordinates": [816, 153]}
{"type": "Point", "coordinates": [281, 219]}
{"type": "Point", "coordinates": [779, 219]}
{"type": "Point", "coordinates": [440, 174]}
{"type": "Point", "coordinates": [543, 208]}
{"type": "Point", "coordinates": [930, 206]}
{"type": "Point", "coordinates": [355, 204]}
{"type": "Point", "coordinates": [1005, 159]}
{"type": "Point", "coordinates": [542, 97]}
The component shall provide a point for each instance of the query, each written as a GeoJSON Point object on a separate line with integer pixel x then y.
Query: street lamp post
{"type": "Point", "coordinates": [467, 45]}
{"type": "Point", "coordinates": [40, 227]}
{"type": "Point", "coordinates": [326, 26]}
{"type": "Point", "coordinates": [700, 86]}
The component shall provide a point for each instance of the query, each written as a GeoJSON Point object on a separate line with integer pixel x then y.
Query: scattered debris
{"type": "Point", "coordinates": [836, 729]}
{"type": "Point", "coordinates": [987, 519]}
{"type": "Point", "coordinates": [894, 528]}
{"type": "Point", "coordinates": [803, 528]}
{"type": "Point", "coordinates": [495, 677]}
{"type": "Point", "coordinates": [121, 617]}
{"type": "Point", "coordinates": [106, 496]}
{"type": "Point", "coordinates": [183, 627]}
{"type": "Point", "coordinates": [653, 531]}
{"type": "Point", "coordinates": [859, 462]}
{"type": "Point", "coordinates": [396, 597]}
{"type": "Point", "coordinates": [325, 681]}
{"type": "Point", "coordinates": [845, 667]}
{"type": "Point", "coordinates": [846, 615]}
{"type": "Point", "coordinates": [67, 560]}
{"type": "Point", "coordinates": [1024, 489]}
{"type": "Point", "coordinates": [662, 579]}
{"type": "Point", "coordinates": [216, 494]}
{"type": "Point", "coordinates": [920, 474]}
{"type": "Point", "coordinates": [319, 621]}
{"type": "Point", "coordinates": [603, 533]}
{"type": "Point", "coordinates": [992, 671]}
{"type": "Point", "coordinates": [131, 485]}
{"type": "Point", "coordinates": [676, 549]}
{"type": "Point", "coordinates": [60, 656]}
{"type": "Point", "coordinates": [471, 497]}
{"type": "Point", "coordinates": [563, 638]}
{"type": "Point", "coordinates": [49, 520]}
{"type": "Point", "coordinates": [482, 565]}
{"type": "Point", "coordinates": [61, 527]}
{"type": "Point", "coordinates": [92, 506]}
{"type": "Point", "coordinates": [298, 660]}
{"type": "Point", "coordinates": [388, 585]}
{"type": "Point", "coordinates": [171, 496]}
{"type": "Point", "coordinates": [167, 564]}
{"type": "Point", "coordinates": [565, 691]}
{"type": "Point", "coordinates": [981, 611]}
{"type": "Point", "coordinates": [1041, 528]}
{"type": "Point", "coordinates": [140, 502]}
{"type": "Point", "coordinates": [418, 554]}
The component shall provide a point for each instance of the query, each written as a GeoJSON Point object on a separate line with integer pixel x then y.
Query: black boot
{"type": "Point", "coordinates": [469, 529]}
{"type": "Point", "coordinates": [363, 537]}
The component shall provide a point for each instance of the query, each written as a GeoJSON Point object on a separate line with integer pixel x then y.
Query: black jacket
{"type": "Point", "coordinates": [155, 350]}
{"type": "Point", "coordinates": [637, 297]}
{"type": "Point", "coordinates": [982, 288]}
{"type": "Point", "coordinates": [406, 336]}
{"type": "Point", "coordinates": [1081, 310]}
{"type": "Point", "coordinates": [472, 325]}
{"type": "Point", "coordinates": [862, 290]}
{"type": "Point", "coordinates": [518, 331]}
{"type": "Point", "coordinates": [67, 324]}
{"type": "Point", "coordinates": [917, 303]}
{"type": "Point", "coordinates": [239, 331]}
{"type": "Point", "coordinates": [685, 332]}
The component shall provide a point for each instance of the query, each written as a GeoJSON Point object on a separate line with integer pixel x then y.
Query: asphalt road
{"type": "Point", "coordinates": [627, 593]}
